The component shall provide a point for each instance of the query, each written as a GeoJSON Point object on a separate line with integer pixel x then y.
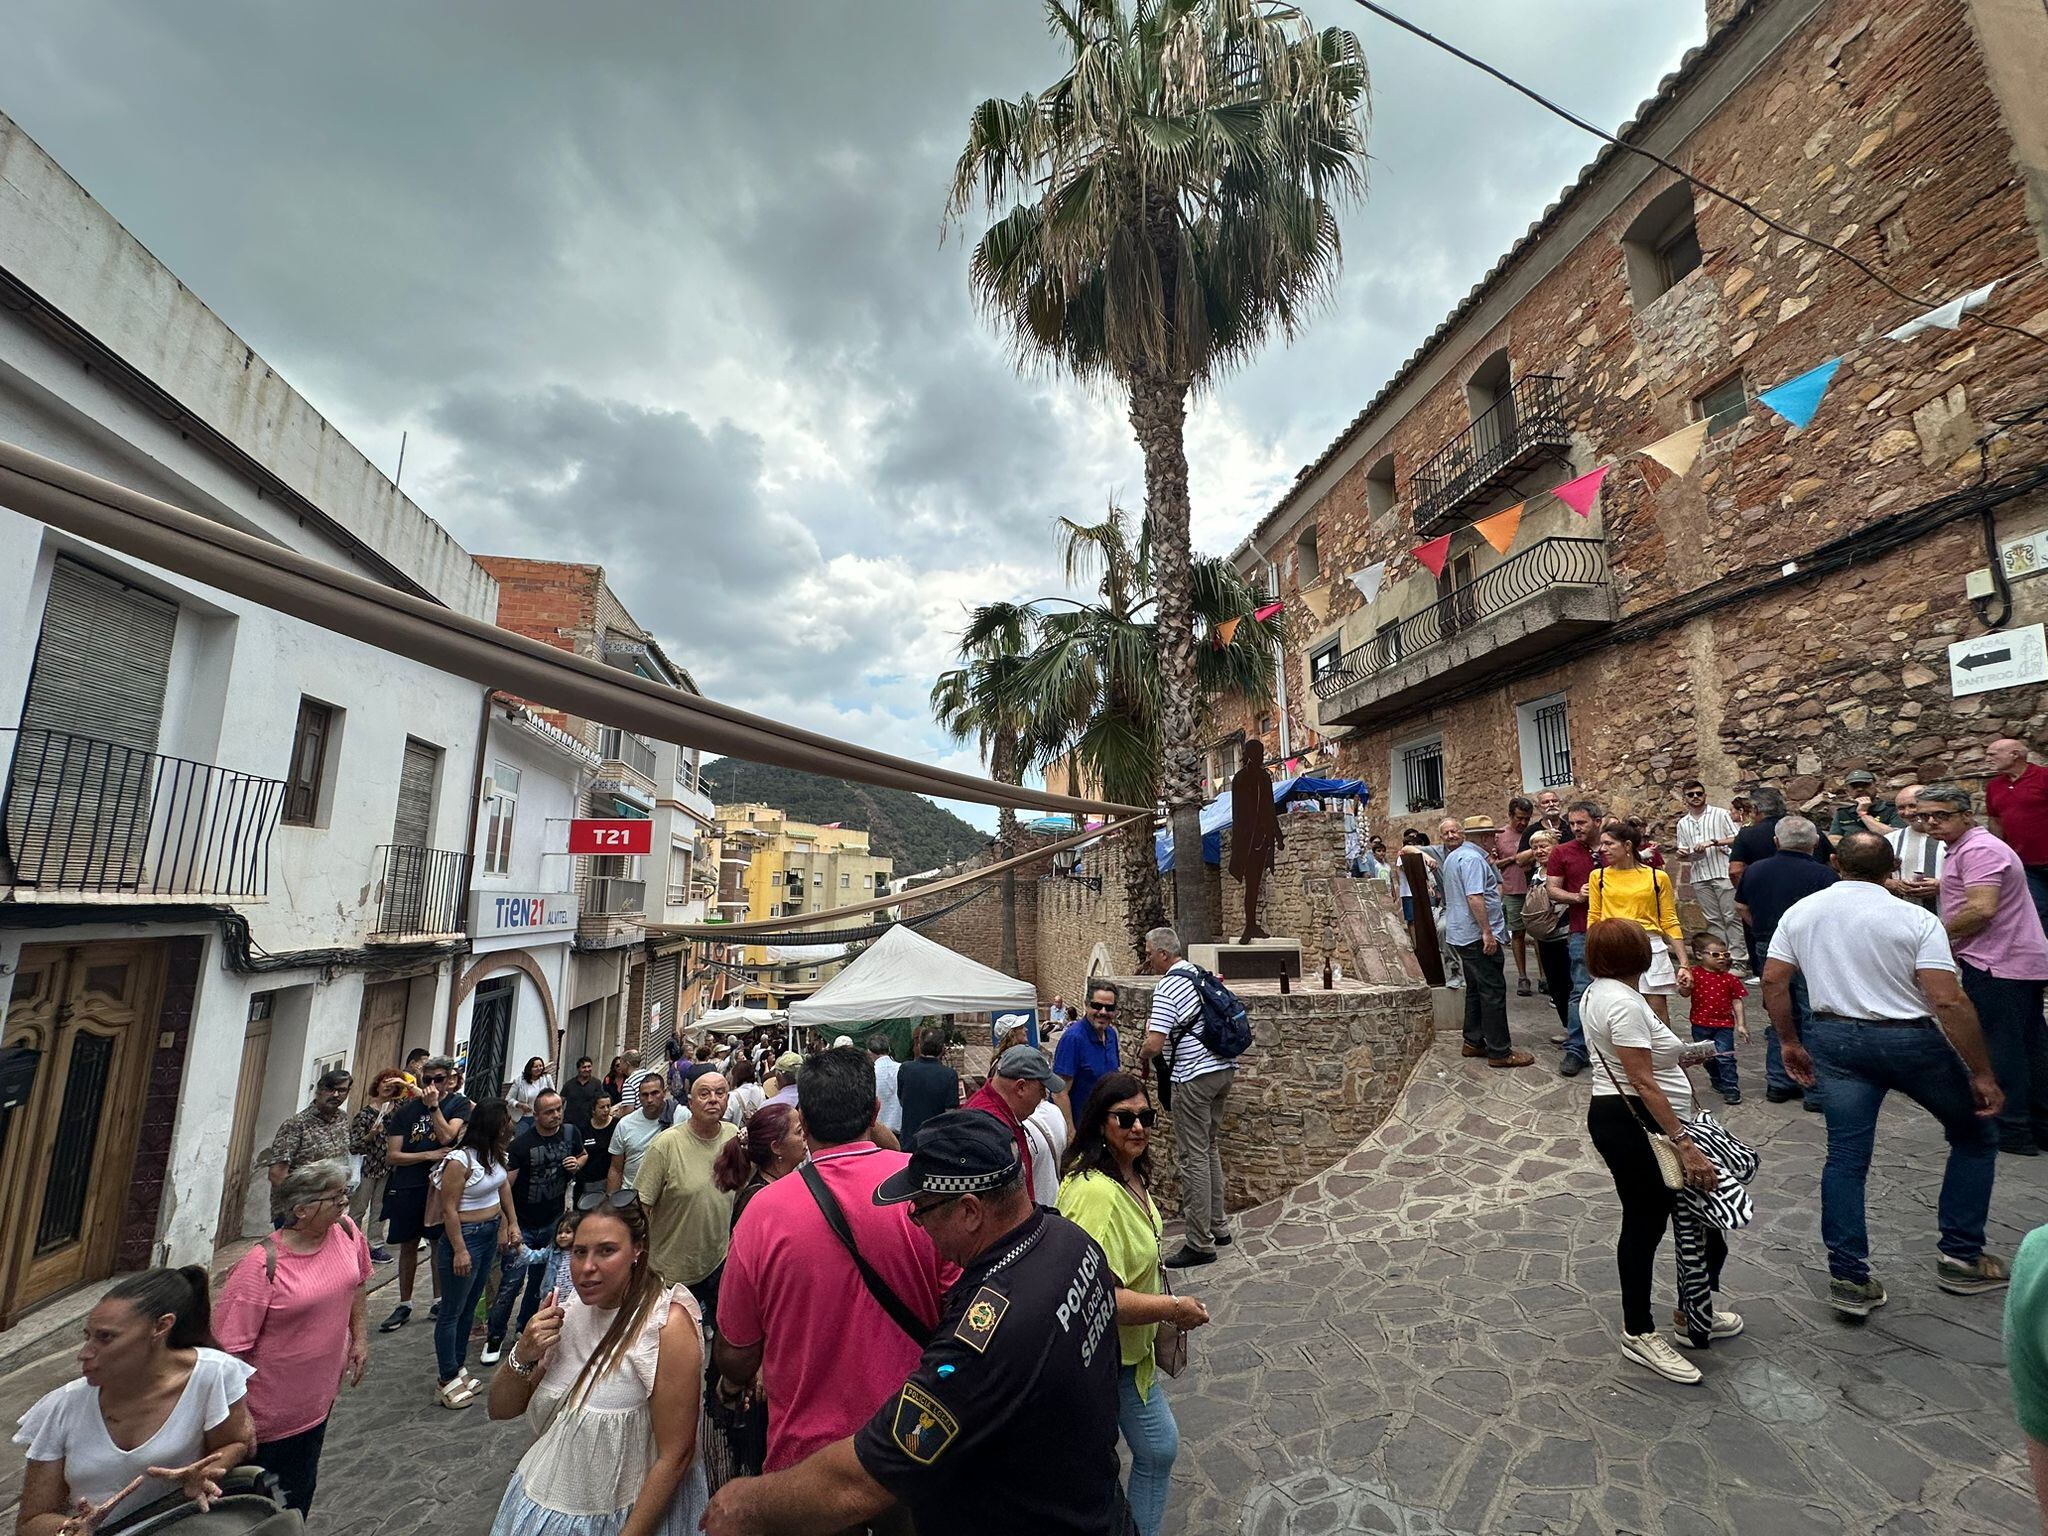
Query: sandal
{"type": "Point", "coordinates": [459, 1393]}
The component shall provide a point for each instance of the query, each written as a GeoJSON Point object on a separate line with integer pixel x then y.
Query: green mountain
{"type": "Point", "coordinates": [905, 827]}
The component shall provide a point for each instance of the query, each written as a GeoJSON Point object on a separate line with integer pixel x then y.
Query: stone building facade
{"type": "Point", "coordinates": [1781, 613]}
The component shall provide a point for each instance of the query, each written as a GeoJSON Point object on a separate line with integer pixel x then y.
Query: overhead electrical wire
{"type": "Point", "coordinates": [1861, 266]}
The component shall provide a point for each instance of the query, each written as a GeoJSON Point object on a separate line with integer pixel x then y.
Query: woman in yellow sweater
{"type": "Point", "coordinates": [1627, 888]}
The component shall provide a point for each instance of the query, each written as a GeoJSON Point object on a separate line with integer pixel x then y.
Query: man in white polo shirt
{"type": "Point", "coordinates": [1888, 1012]}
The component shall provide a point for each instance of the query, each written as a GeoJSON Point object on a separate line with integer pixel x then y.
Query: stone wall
{"type": "Point", "coordinates": [1323, 1072]}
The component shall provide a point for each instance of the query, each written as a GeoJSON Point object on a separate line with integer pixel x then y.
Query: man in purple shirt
{"type": "Point", "coordinates": [1997, 938]}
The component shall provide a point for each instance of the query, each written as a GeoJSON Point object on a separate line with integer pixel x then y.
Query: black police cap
{"type": "Point", "coordinates": [962, 1152]}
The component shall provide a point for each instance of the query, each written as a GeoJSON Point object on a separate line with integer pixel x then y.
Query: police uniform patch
{"type": "Point", "coordinates": [923, 1428]}
{"type": "Point", "coordinates": [978, 1324]}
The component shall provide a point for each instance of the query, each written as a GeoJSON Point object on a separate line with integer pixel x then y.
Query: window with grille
{"type": "Point", "coordinates": [1546, 742]}
{"type": "Point", "coordinates": [1421, 776]}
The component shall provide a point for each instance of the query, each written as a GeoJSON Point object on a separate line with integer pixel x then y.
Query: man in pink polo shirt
{"type": "Point", "coordinates": [2016, 800]}
{"type": "Point", "coordinates": [794, 1306]}
{"type": "Point", "coordinates": [1997, 938]}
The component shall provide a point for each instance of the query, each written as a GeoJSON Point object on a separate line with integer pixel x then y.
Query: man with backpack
{"type": "Point", "coordinates": [1200, 1029]}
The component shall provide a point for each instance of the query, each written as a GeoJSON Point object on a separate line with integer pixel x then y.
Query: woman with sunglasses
{"type": "Point", "coordinates": [609, 1375]}
{"type": "Point", "coordinates": [296, 1309]}
{"type": "Point", "coordinates": [1105, 1193]}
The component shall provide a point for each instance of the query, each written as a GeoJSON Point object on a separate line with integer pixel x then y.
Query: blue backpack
{"type": "Point", "coordinates": [1221, 1023]}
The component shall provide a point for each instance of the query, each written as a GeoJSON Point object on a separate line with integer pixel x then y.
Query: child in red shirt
{"type": "Point", "coordinates": [1717, 996]}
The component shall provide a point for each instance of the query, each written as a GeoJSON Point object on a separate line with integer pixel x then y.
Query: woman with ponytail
{"type": "Point", "coordinates": [150, 1377]}
{"type": "Point", "coordinates": [611, 1377]}
{"type": "Point", "coordinates": [771, 1145]}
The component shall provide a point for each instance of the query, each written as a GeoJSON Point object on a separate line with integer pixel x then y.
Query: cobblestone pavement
{"type": "Point", "coordinates": [1423, 1341]}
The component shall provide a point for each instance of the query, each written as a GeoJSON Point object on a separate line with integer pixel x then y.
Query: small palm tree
{"type": "Point", "coordinates": [1161, 211]}
{"type": "Point", "coordinates": [979, 702]}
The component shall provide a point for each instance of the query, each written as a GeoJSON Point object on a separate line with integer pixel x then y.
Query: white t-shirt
{"type": "Point", "coordinates": [1858, 946]}
{"type": "Point", "coordinates": [1045, 1128]}
{"type": "Point", "coordinates": [65, 1425]}
{"type": "Point", "coordinates": [741, 1103]}
{"type": "Point", "coordinates": [1175, 1002]}
{"type": "Point", "coordinates": [631, 1137]}
{"type": "Point", "coordinates": [1615, 1015]}
{"type": "Point", "coordinates": [886, 1068]}
{"type": "Point", "coordinates": [480, 1185]}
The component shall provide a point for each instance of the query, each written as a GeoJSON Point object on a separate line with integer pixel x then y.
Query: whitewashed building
{"type": "Point", "coordinates": [234, 848]}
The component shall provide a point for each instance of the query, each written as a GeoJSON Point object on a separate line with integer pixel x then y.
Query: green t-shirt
{"type": "Point", "coordinates": [689, 1218]}
{"type": "Point", "coordinates": [2026, 1335]}
{"type": "Point", "coordinates": [1129, 1235]}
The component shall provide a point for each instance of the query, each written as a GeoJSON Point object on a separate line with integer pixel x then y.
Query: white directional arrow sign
{"type": "Point", "coordinates": [2006, 658]}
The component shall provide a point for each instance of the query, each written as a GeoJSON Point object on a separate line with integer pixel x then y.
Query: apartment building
{"type": "Point", "coordinates": [1782, 608]}
{"type": "Point", "coordinates": [777, 867]}
{"type": "Point", "coordinates": [233, 850]}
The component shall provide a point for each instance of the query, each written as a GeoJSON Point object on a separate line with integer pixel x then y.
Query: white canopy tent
{"type": "Point", "coordinates": [737, 1021]}
{"type": "Point", "coordinates": [903, 974]}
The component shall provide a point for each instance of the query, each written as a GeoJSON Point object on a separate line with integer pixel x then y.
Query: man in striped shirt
{"type": "Point", "coordinates": [1705, 834]}
{"type": "Point", "coordinates": [1201, 1082]}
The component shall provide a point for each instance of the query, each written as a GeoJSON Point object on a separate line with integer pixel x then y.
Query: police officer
{"type": "Point", "coordinates": [1027, 1339]}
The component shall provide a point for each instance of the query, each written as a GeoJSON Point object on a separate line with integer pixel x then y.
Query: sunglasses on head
{"type": "Point", "coordinates": [617, 1199]}
{"type": "Point", "coordinates": [1126, 1118]}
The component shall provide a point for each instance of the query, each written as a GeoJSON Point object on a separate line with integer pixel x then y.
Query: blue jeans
{"type": "Point", "coordinates": [2017, 1041]}
{"type": "Point", "coordinates": [459, 1293]}
{"type": "Point", "coordinates": [1154, 1438]}
{"type": "Point", "coordinates": [1722, 1070]}
{"type": "Point", "coordinates": [511, 1282]}
{"type": "Point", "coordinates": [1574, 1031]}
{"type": "Point", "coordinates": [1775, 1075]}
{"type": "Point", "coordinates": [1859, 1064]}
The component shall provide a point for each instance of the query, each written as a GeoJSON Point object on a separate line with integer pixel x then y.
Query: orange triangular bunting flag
{"type": "Point", "coordinates": [1225, 631]}
{"type": "Point", "coordinates": [1434, 554]}
{"type": "Point", "coordinates": [1677, 451]}
{"type": "Point", "coordinates": [1499, 529]}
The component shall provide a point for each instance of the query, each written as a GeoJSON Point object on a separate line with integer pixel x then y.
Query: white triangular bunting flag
{"type": "Point", "coordinates": [1677, 451]}
{"type": "Point", "coordinates": [1947, 317]}
{"type": "Point", "coordinates": [1368, 580]}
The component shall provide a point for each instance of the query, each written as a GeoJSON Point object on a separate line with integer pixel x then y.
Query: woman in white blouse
{"type": "Point", "coordinates": [1639, 1083]}
{"type": "Point", "coordinates": [157, 1410]}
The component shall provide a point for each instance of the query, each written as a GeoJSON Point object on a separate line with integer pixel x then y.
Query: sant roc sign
{"type": "Point", "coordinates": [496, 914]}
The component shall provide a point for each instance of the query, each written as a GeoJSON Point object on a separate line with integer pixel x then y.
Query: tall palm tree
{"type": "Point", "coordinates": [1161, 211]}
{"type": "Point", "coordinates": [1090, 685]}
{"type": "Point", "coordinates": [978, 701]}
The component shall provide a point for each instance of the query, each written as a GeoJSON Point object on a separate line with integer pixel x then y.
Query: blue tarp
{"type": "Point", "coordinates": [1216, 814]}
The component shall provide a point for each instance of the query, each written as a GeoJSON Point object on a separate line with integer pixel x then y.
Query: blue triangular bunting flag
{"type": "Point", "coordinates": [1797, 399]}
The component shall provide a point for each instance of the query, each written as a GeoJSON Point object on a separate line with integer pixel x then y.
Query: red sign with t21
{"type": "Point", "coordinates": [634, 835]}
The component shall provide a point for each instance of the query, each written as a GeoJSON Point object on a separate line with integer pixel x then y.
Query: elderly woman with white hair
{"type": "Point", "coordinates": [296, 1307]}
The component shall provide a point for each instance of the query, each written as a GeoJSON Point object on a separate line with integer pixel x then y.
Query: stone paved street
{"type": "Point", "coordinates": [1422, 1341]}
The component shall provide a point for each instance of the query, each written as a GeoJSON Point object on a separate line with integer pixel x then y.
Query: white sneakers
{"type": "Point", "coordinates": [1655, 1351]}
{"type": "Point", "coordinates": [1726, 1326]}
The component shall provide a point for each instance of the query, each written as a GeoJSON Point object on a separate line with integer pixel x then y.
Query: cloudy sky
{"type": "Point", "coordinates": [663, 286]}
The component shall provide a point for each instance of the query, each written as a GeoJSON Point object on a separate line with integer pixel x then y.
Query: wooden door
{"type": "Point", "coordinates": [380, 1035]}
{"type": "Point", "coordinates": [234, 1196]}
{"type": "Point", "coordinates": [91, 1011]}
{"type": "Point", "coordinates": [490, 1031]}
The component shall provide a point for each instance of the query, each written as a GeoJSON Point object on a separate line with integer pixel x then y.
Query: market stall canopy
{"type": "Point", "coordinates": [1216, 814]}
{"type": "Point", "coordinates": [737, 1021]}
{"type": "Point", "coordinates": [902, 974]}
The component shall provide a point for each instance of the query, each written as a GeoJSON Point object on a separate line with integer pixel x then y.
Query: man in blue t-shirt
{"type": "Point", "coordinates": [1768, 891]}
{"type": "Point", "coordinates": [1087, 1049]}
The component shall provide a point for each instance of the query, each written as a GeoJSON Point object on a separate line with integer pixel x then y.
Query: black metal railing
{"type": "Point", "coordinates": [1523, 424]}
{"type": "Point", "coordinates": [86, 815]}
{"type": "Point", "coordinates": [613, 896]}
{"type": "Point", "coordinates": [420, 890]}
{"type": "Point", "coordinates": [1559, 562]}
{"type": "Point", "coordinates": [615, 745]}
{"type": "Point", "coordinates": [1553, 746]}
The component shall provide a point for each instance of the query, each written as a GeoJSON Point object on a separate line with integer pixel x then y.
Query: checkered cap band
{"type": "Point", "coordinates": [965, 1183]}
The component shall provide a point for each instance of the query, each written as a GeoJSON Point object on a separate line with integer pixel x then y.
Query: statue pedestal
{"type": "Point", "coordinates": [1260, 960]}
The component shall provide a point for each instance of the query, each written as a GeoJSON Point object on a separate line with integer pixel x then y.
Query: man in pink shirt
{"type": "Point", "coordinates": [1998, 942]}
{"type": "Point", "coordinates": [793, 1305]}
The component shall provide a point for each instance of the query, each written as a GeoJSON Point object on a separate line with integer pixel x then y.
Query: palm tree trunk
{"type": "Point", "coordinates": [1159, 418]}
{"type": "Point", "coordinates": [1003, 767]}
{"type": "Point", "coordinates": [1138, 868]}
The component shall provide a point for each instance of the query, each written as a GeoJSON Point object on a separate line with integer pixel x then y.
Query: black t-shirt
{"type": "Point", "coordinates": [1027, 1341]}
{"type": "Point", "coordinates": [541, 1190]}
{"type": "Point", "coordinates": [599, 1162]}
{"type": "Point", "coordinates": [415, 1122]}
{"type": "Point", "coordinates": [1755, 844]}
{"type": "Point", "coordinates": [1771, 886]}
{"type": "Point", "coordinates": [579, 1101]}
{"type": "Point", "coordinates": [925, 1087]}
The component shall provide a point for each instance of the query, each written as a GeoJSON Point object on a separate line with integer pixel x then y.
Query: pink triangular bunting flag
{"type": "Point", "coordinates": [1578, 494]}
{"type": "Point", "coordinates": [1434, 554]}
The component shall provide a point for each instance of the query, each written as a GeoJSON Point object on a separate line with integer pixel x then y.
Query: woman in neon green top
{"type": "Point", "coordinates": [1104, 1193]}
{"type": "Point", "coordinates": [1625, 887]}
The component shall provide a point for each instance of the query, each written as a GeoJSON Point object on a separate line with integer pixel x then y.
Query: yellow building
{"type": "Point", "coordinates": [788, 869]}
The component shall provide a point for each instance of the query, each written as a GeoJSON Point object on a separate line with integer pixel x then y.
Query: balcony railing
{"type": "Point", "coordinates": [617, 746]}
{"type": "Point", "coordinates": [94, 817]}
{"type": "Point", "coordinates": [1552, 563]}
{"type": "Point", "coordinates": [420, 892]}
{"type": "Point", "coordinates": [1525, 425]}
{"type": "Point", "coordinates": [615, 896]}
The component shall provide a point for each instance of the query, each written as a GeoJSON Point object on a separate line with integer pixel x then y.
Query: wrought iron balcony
{"type": "Point", "coordinates": [84, 817]}
{"type": "Point", "coordinates": [1522, 428]}
{"type": "Point", "coordinates": [419, 894]}
{"type": "Point", "coordinates": [1550, 592]}
{"type": "Point", "coordinates": [617, 746]}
